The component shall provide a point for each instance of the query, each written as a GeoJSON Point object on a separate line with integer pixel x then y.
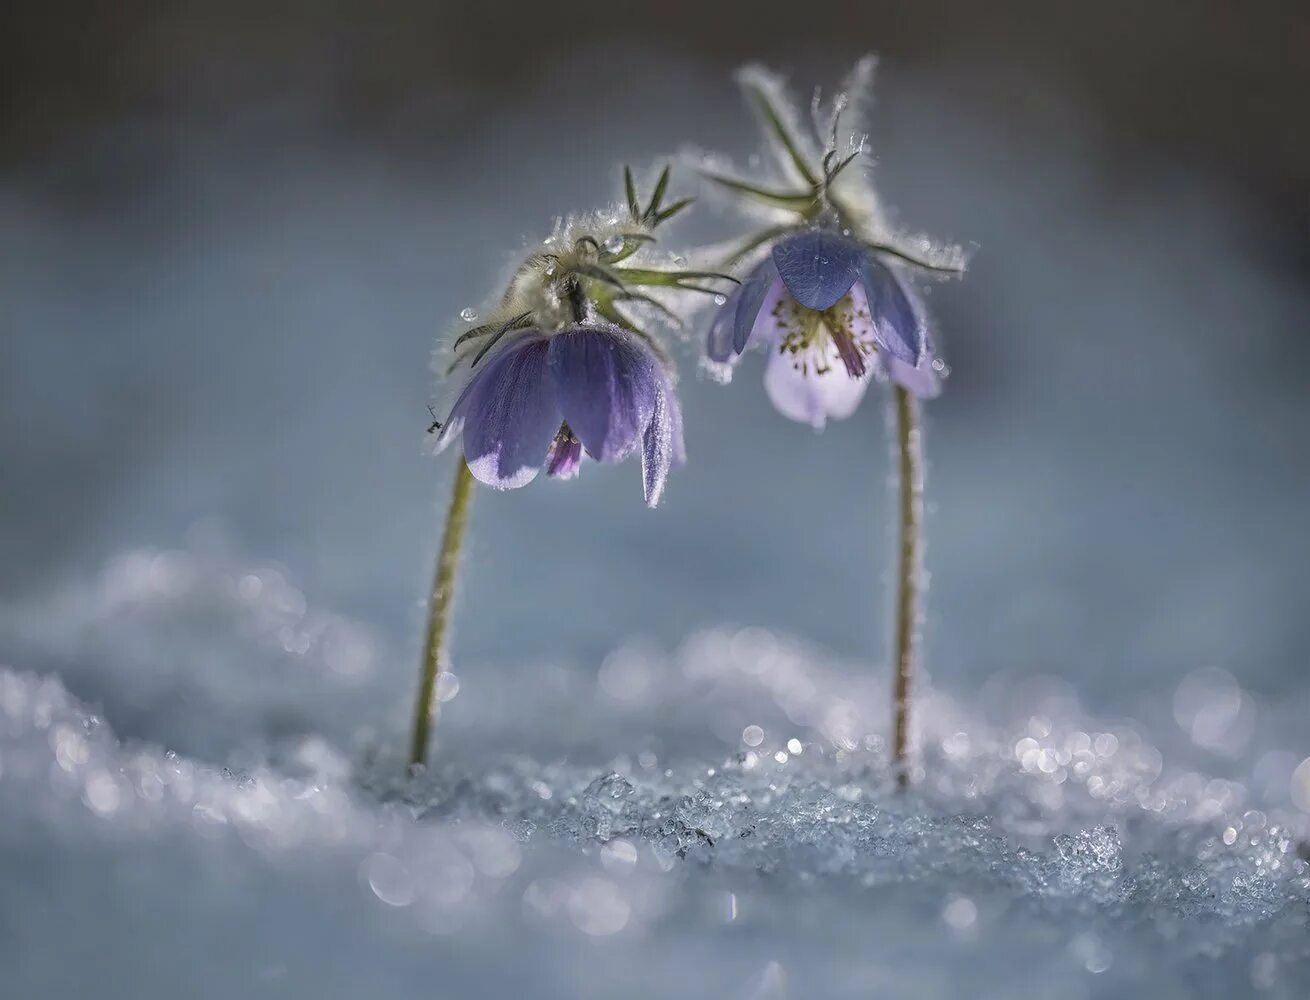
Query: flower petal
{"type": "Point", "coordinates": [453, 425]}
{"type": "Point", "coordinates": [510, 415]}
{"type": "Point", "coordinates": [923, 379]}
{"type": "Point", "coordinates": [818, 266]}
{"type": "Point", "coordinates": [718, 342]}
{"type": "Point", "coordinates": [897, 316]}
{"type": "Point", "coordinates": [809, 396]}
{"type": "Point", "coordinates": [675, 425]}
{"type": "Point", "coordinates": [750, 299]}
{"type": "Point", "coordinates": [606, 382]}
{"type": "Point", "coordinates": [565, 456]}
{"type": "Point", "coordinates": [661, 442]}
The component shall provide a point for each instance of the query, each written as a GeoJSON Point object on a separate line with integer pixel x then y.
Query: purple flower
{"type": "Point", "coordinates": [544, 398]}
{"type": "Point", "coordinates": [830, 313]}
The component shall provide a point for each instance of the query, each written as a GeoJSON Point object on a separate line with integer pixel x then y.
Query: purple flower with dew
{"type": "Point", "coordinates": [830, 316]}
{"type": "Point", "coordinates": [546, 399]}
{"type": "Point", "coordinates": [831, 304]}
{"type": "Point", "coordinates": [562, 369]}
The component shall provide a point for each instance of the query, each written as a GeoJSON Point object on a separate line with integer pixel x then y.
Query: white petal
{"type": "Point", "coordinates": [808, 397]}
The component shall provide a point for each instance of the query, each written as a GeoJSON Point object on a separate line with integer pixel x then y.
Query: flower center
{"type": "Point", "coordinates": [812, 337]}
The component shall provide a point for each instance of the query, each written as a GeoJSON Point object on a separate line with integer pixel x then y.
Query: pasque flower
{"type": "Point", "coordinates": [563, 370]}
{"type": "Point", "coordinates": [830, 302]}
{"type": "Point", "coordinates": [545, 399]}
{"type": "Point", "coordinates": [830, 314]}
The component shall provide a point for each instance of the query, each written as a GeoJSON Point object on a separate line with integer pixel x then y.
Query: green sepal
{"type": "Point", "coordinates": [780, 132]}
{"type": "Point", "coordinates": [801, 203]}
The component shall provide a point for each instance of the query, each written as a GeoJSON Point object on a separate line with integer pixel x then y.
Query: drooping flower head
{"type": "Point", "coordinates": [564, 369]}
{"type": "Point", "coordinates": [829, 300]}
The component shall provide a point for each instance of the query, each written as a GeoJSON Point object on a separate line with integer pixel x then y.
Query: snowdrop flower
{"type": "Point", "coordinates": [830, 302]}
{"type": "Point", "coordinates": [545, 399]}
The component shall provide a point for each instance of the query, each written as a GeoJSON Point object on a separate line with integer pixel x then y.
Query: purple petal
{"type": "Point", "coordinates": [510, 415]}
{"type": "Point", "coordinates": [606, 382]}
{"type": "Point", "coordinates": [818, 266]}
{"type": "Point", "coordinates": [778, 310]}
{"type": "Point", "coordinates": [718, 342]}
{"type": "Point", "coordinates": [662, 444]}
{"type": "Point", "coordinates": [897, 316]}
{"type": "Point", "coordinates": [454, 422]}
{"type": "Point", "coordinates": [675, 426]}
{"type": "Point", "coordinates": [811, 397]}
{"type": "Point", "coordinates": [750, 300]}
{"type": "Point", "coordinates": [922, 380]}
{"type": "Point", "coordinates": [565, 456]}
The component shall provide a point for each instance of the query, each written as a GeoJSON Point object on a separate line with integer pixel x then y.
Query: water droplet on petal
{"type": "Point", "coordinates": [550, 269]}
{"type": "Point", "coordinates": [468, 314]}
{"type": "Point", "coordinates": [719, 299]}
{"type": "Point", "coordinates": [614, 244]}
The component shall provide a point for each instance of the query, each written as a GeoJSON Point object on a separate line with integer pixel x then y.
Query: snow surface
{"type": "Point", "coordinates": [717, 821]}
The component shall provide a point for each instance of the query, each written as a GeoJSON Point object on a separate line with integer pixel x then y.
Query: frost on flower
{"type": "Point", "coordinates": [566, 366]}
{"type": "Point", "coordinates": [827, 294]}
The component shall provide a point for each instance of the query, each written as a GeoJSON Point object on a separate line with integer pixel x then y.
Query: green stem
{"type": "Point", "coordinates": [443, 590]}
{"type": "Point", "coordinates": [909, 449]}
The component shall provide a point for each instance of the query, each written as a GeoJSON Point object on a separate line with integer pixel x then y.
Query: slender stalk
{"type": "Point", "coordinates": [443, 590]}
{"type": "Point", "coordinates": [909, 450]}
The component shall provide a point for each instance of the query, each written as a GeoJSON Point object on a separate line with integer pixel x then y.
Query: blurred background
{"type": "Point", "coordinates": [231, 234]}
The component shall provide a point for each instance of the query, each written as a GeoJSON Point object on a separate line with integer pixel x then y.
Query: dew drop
{"type": "Point", "coordinates": [614, 244]}
{"type": "Point", "coordinates": [941, 368]}
{"type": "Point", "coordinates": [720, 298]}
{"type": "Point", "coordinates": [468, 314]}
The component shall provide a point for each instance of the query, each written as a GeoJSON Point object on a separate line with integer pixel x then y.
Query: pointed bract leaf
{"type": "Point", "coordinates": [599, 273]}
{"type": "Point", "coordinates": [657, 196]}
{"type": "Point", "coordinates": [630, 189]}
{"type": "Point", "coordinates": [775, 199]}
{"type": "Point", "coordinates": [781, 132]}
{"type": "Point", "coordinates": [666, 214]}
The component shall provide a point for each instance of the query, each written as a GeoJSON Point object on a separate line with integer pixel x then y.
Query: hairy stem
{"type": "Point", "coordinates": [909, 450]}
{"type": "Point", "coordinates": [443, 591]}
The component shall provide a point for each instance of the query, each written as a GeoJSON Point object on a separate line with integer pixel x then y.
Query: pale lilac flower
{"type": "Point", "coordinates": [543, 399]}
{"type": "Point", "coordinates": [829, 314]}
